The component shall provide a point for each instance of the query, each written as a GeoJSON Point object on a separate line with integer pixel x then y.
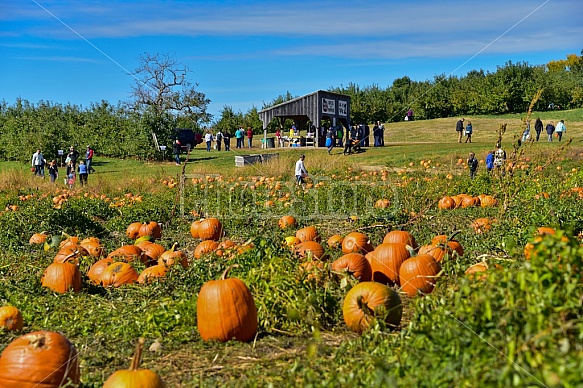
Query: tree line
{"type": "Point", "coordinates": [129, 129]}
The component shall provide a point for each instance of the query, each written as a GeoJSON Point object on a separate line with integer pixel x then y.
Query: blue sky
{"type": "Point", "coordinates": [245, 53]}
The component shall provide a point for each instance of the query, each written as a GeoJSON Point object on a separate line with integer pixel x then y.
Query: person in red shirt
{"type": "Point", "coordinates": [250, 137]}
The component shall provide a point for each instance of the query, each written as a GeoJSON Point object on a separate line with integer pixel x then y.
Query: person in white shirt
{"type": "Point", "coordinates": [301, 171]}
{"type": "Point", "coordinates": [208, 138]}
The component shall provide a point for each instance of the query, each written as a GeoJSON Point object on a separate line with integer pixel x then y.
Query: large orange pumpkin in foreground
{"type": "Point", "coordinates": [40, 359]}
{"type": "Point", "coordinates": [368, 301]}
{"type": "Point", "coordinates": [305, 249]}
{"type": "Point", "coordinates": [419, 275]}
{"type": "Point", "coordinates": [226, 310]}
{"type": "Point", "coordinates": [133, 230]}
{"type": "Point", "coordinates": [135, 377]}
{"type": "Point", "coordinates": [117, 274]}
{"type": "Point", "coordinates": [309, 233]}
{"type": "Point", "coordinates": [10, 318]}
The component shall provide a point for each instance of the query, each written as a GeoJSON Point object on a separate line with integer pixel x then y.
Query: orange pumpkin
{"type": "Point", "coordinates": [94, 273]}
{"type": "Point", "coordinates": [309, 233]}
{"type": "Point", "coordinates": [419, 274]}
{"type": "Point", "coordinates": [38, 238]}
{"type": "Point", "coordinates": [117, 274]}
{"type": "Point", "coordinates": [128, 253]}
{"type": "Point", "coordinates": [210, 229]}
{"type": "Point", "coordinates": [446, 203]}
{"type": "Point", "coordinates": [70, 253]}
{"type": "Point", "coordinates": [487, 200]}
{"type": "Point", "coordinates": [438, 251]}
{"type": "Point", "coordinates": [454, 245]}
{"type": "Point", "coordinates": [151, 252]}
{"type": "Point", "coordinates": [194, 228]}
{"type": "Point", "coordinates": [151, 273]}
{"type": "Point", "coordinates": [205, 247]}
{"type": "Point", "coordinates": [39, 359]}
{"type": "Point", "coordinates": [172, 256]}
{"type": "Point", "coordinates": [335, 241]}
{"type": "Point", "coordinates": [400, 236]}
{"type": "Point", "coordinates": [309, 248]}
{"type": "Point", "coordinates": [481, 225]}
{"type": "Point", "coordinates": [356, 242]}
{"type": "Point", "coordinates": [386, 260]}
{"type": "Point", "coordinates": [368, 301]}
{"type": "Point", "coordinates": [475, 269]}
{"type": "Point", "coordinates": [135, 377]}
{"type": "Point", "coordinates": [10, 318]}
{"type": "Point", "coordinates": [152, 229]}
{"type": "Point", "coordinates": [226, 310]}
{"type": "Point", "coordinates": [93, 247]}
{"type": "Point", "coordinates": [287, 222]}
{"type": "Point", "coordinates": [355, 265]}
{"type": "Point", "coordinates": [62, 277]}
{"type": "Point", "coordinates": [133, 230]}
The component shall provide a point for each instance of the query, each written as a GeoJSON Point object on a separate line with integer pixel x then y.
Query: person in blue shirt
{"type": "Point", "coordinates": [490, 161]}
{"type": "Point", "coordinates": [83, 172]}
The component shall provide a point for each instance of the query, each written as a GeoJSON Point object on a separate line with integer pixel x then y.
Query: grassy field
{"type": "Point", "coordinates": [518, 325]}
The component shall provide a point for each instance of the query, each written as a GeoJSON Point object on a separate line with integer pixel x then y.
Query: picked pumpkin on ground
{"type": "Point", "coordinates": [10, 318]}
{"type": "Point", "coordinates": [368, 301]}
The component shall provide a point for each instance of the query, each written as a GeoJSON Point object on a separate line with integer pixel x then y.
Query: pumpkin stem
{"type": "Point", "coordinates": [226, 273]}
{"type": "Point", "coordinates": [363, 306]}
{"type": "Point", "coordinates": [174, 246]}
{"type": "Point", "coordinates": [411, 250]}
{"type": "Point", "coordinates": [72, 254]}
{"type": "Point", "coordinates": [135, 365]}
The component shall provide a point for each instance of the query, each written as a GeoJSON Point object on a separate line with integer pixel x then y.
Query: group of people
{"type": "Point", "coordinates": [462, 130]}
{"type": "Point", "coordinates": [84, 167]}
{"type": "Point", "coordinates": [494, 160]}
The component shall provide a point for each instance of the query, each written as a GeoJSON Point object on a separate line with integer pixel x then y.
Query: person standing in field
{"type": "Point", "coordinates": [490, 161]}
{"type": "Point", "coordinates": [499, 158]}
{"type": "Point", "coordinates": [73, 156]}
{"type": "Point", "coordinates": [208, 138]}
{"type": "Point", "coordinates": [339, 135]}
{"type": "Point", "coordinates": [301, 171]}
{"type": "Point", "coordinates": [472, 165]}
{"type": "Point", "coordinates": [459, 127]}
{"type": "Point", "coordinates": [239, 136]}
{"type": "Point", "coordinates": [53, 170]}
{"type": "Point", "coordinates": [550, 130]}
{"type": "Point", "coordinates": [83, 173]}
{"type": "Point", "coordinates": [560, 129]}
{"type": "Point", "coordinates": [410, 115]}
{"type": "Point", "coordinates": [278, 139]}
{"type": "Point", "coordinates": [249, 137]}
{"type": "Point", "coordinates": [227, 140]}
{"type": "Point", "coordinates": [176, 151]}
{"type": "Point", "coordinates": [89, 159]}
{"type": "Point", "coordinates": [219, 137]}
{"type": "Point", "coordinates": [538, 127]}
{"type": "Point", "coordinates": [469, 130]}
{"type": "Point", "coordinates": [330, 139]}
{"type": "Point", "coordinates": [38, 162]}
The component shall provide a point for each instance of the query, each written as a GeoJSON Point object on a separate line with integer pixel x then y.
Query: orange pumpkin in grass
{"type": "Point", "coordinates": [205, 247]}
{"type": "Point", "coordinates": [10, 318]}
{"type": "Point", "coordinates": [226, 310]}
{"type": "Point", "coordinates": [173, 256]}
{"type": "Point", "coordinates": [487, 200]}
{"type": "Point", "coordinates": [368, 301]}
{"type": "Point", "coordinates": [38, 238]}
{"type": "Point", "coordinates": [454, 245]}
{"type": "Point", "coordinates": [117, 274]}
{"type": "Point", "coordinates": [62, 277]}
{"type": "Point", "coordinates": [287, 222]}
{"type": "Point", "coordinates": [151, 273]}
{"type": "Point", "coordinates": [386, 260]}
{"type": "Point", "coordinates": [94, 273]}
{"type": "Point", "coordinates": [356, 242]}
{"type": "Point", "coordinates": [355, 265]}
{"type": "Point", "coordinates": [133, 230]}
{"type": "Point", "coordinates": [335, 241]}
{"type": "Point", "coordinates": [481, 225]}
{"type": "Point", "coordinates": [446, 203]}
{"type": "Point", "coordinates": [39, 359]}
{"type": "Point", "coordinates": [194, 229]}
{"type": "Point", "coordinates": [418, 274]}
{"type": "Point", "coordinates": [151, 252]}
{"type": "Point", "coordinates": [309, 233]}
{"type": "Point", "coordinates": [400, 236]}
{"type": "Point", "coordinates": [152, 229]}
{"type": "Point", "coordinates": [128, 253]}
{"type": "Point", "coordinates": [438, 251]}
{"type": "Point", "coordinates": [210, 229]}
{"type": "Point", "coordinates": [309, 248]}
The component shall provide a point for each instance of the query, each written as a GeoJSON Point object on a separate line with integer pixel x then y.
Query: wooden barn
{"type": "Point", "coordinates": [312, 109]}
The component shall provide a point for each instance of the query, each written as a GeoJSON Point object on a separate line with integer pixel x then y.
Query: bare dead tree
{"type": "Point", "coordinates": [162, 88]}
